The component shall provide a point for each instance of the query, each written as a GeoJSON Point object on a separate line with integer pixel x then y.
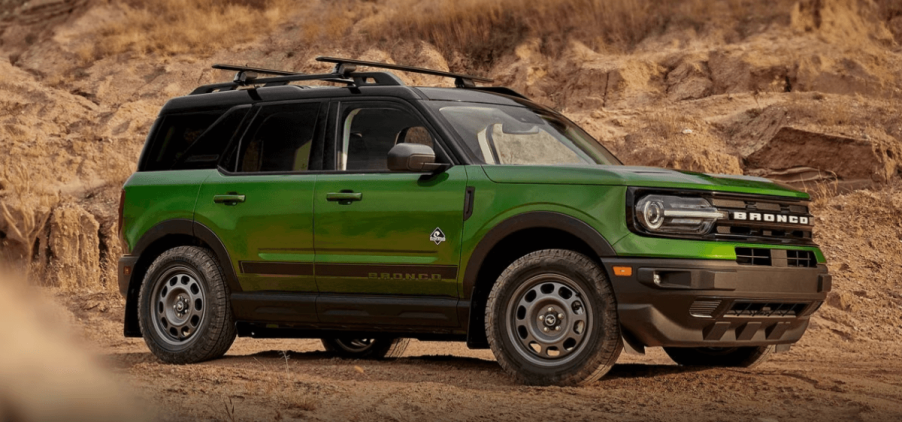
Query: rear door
{"type": "Point", "coordinates": [260, 204]}
{"type": "Point", "coordinates": [387, 243]}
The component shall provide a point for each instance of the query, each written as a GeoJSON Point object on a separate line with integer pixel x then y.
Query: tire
{"type": "Point", "coordinates": [378, 348]}
{"type": "Point", "coordinates": [735, 357]}
{"type": "Point", "coordinates": [588, 341]}
{"type": "Point", "coordinates": [183, 307]}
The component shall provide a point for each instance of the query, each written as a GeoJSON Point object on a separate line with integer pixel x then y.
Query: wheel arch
{"type": "Point", "coordinates": [160, 238]}
{"type": "Point", "coordinates": [513, 238]}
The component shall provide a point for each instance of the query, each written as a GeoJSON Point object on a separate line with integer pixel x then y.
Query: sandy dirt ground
{"type": "Point", "coordinates": [297, 380]}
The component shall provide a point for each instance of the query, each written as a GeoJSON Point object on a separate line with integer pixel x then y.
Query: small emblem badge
{"type": "Point", "coordinates": [437, 236]}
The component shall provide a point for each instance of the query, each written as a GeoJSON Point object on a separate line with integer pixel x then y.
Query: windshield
{"type": "Point", "coordinates": [499, 134]}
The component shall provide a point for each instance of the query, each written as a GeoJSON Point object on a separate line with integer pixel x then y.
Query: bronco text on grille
{"type": "Point", "coordinates": [766, 222]}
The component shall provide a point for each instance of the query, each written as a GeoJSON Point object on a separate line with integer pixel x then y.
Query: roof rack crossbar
{"type": "Point", "coordinates": [346, 66]}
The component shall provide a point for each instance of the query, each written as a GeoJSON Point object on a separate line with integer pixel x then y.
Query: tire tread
{"type": "Point", "coordinates": [601, 361]}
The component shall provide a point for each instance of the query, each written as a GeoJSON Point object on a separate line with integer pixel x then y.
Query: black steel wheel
{"type": "Point", "coordinates": [736, 357]}
{"type": "Point", "coordinates": [551, 319]}
{"type": "Point", "coordinates": [183, 307]}
{"type": "Point", "coordinates": [366, 348]}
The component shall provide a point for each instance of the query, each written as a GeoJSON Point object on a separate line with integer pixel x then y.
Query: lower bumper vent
{"type": "Point", "coordinates": [703, 308]}
{"type": "Point", "coordinates": [804, 259]}
{"type": "Point", "coordinates": [766, 309]}
{"type": "Point", "coordinates": [776, 257]}
{"type": "Point", "coordinates": [753, 256]}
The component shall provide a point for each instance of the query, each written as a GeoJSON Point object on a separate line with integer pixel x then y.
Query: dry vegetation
{"type": "Point", "coordinates": [483, 29]}
{"type": "Point", "coordinates": [198, 27]}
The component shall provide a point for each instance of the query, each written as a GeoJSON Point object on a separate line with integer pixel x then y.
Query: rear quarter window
{"type": "Point", "coordinates": [189, 141]}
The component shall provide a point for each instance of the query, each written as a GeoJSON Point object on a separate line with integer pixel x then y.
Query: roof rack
{"type": "Point", "coordinates": [344, 66]}
{"type": "Point", "coordinates": [250, 76]}
{"type": "Point", "coordinates": [345, 72]}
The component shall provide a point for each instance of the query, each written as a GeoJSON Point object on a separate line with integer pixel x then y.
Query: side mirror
{"type": "Point", "coordinates": [413, 158]}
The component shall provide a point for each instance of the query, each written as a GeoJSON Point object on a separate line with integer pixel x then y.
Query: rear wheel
{"type": "Point", "coordinates": [183, 307]}
{"type": "Point", "coordinates": [366, 348]}
{"type": "Point", "coordinates": [551, 319]}
{"type": "Point", "coordinates": [737, 357]}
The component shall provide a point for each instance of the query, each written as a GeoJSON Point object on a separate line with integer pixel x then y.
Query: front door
{"type": "Point", "coordinates": [260, 205]}
{"type": "Point", "coordinates": [381, 233]}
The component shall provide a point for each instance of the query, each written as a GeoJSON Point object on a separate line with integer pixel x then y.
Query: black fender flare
{"type": "Point", "coordinates": [528, 220]}
{"type": "Point", "coordinates": [196, 230]}
{"type": "Point", "coordinates": [165, 228]}
{"type": "Point", "coordinates": [532, 220]}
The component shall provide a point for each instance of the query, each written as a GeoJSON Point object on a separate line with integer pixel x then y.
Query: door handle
{"type": "Point", "coordinates": [344, 196]}
{"type": "Point", "coordinates": [230, 199]}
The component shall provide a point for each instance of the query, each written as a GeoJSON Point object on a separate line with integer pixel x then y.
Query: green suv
{"type": "Point", "coordinates": [367, 213]}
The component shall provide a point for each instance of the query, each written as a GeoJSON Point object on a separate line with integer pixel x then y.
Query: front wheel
{"type": "Point", "coordinates": [736, 357]}
{"type": "Point", "coordinates": [366, 348]}
{"type": "Point", "coordinates": [551, 319]}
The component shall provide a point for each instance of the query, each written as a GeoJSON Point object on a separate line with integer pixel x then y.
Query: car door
{"type": "Point", "coordinates": [386, 242]}
{"type": "Point", "coordinates": [260, 205]}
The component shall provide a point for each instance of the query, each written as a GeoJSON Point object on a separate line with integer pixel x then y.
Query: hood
{"type": "Point", "coordinates": [638, 176]}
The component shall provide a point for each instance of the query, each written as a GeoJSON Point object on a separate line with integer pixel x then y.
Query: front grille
{"type": "Point", "coordinates": [704, 308]}
{"type": "Point", "coordinates": [765, 309]}
{"type": "Point", "coordinates": [803, 259]}
{"type": "Point", "coordinates": [778, 230]}
{"type": "Point", "coordinates": [753, 256]}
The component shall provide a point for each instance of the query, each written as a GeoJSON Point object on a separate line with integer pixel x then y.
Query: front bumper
{"type": "Point", "coordinates": [715, 303]}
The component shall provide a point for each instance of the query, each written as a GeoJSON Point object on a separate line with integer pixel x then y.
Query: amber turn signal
{"type": "Point", "coordinates": [127, 270]}
{"type": "Point", "coordinates": [623, 271]}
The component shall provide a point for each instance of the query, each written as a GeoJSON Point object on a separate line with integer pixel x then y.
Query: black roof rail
{"type": "Point", "coordinates": [250, 76]}
{"type": "Point", "coordinates": [500, 90]}
{"type": "Point", "coordinates": [345, 72]}
{"type": "Point", "coordinates": [347, 66]}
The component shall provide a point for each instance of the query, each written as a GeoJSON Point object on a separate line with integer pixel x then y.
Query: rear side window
{"type": "Point", "coordinates": [191, 140]}
{"type": "Point", "coordinates": [206, 152]}
{"type": "Point", "coordinates": [280, 139]}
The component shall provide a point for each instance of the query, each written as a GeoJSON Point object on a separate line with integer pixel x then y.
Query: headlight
{"type": "Point", "coordinates": [675, 214]}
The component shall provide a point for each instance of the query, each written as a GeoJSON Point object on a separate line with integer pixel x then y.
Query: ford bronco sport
{"type": "Point", "coordinates": [371, 212]}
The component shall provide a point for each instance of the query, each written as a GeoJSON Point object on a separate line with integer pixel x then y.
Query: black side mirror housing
{"type": "Point", "coordinates": [413, 158]}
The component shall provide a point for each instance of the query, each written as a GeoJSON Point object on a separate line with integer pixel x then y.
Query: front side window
{"type": "Point", "coordinates": [499, 134]}
{"type": "Point", "coordinates": [368, 133]}
{"type": "Point", "coordinates": [280, 140]}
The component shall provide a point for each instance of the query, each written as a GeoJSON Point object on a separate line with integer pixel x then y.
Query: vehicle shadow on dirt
{"type": "Point", "coordinates": [432, 368]}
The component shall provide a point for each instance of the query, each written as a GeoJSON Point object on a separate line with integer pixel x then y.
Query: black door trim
{"type": "Point", "coordinates": [347, 311]}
